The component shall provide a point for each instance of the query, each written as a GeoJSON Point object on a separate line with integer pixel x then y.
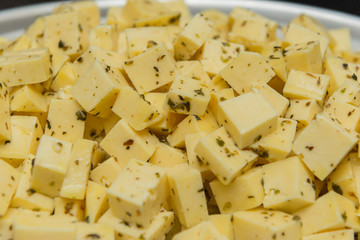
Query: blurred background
{"type": "Point", "coordinates": [349, 6]}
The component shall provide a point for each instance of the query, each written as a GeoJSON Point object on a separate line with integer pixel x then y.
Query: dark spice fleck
{"type": "Point", "coordinates": [81, 115]}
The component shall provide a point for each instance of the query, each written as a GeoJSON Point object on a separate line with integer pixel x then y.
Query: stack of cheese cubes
{"type": "Point", "coordinates": [161, 125]}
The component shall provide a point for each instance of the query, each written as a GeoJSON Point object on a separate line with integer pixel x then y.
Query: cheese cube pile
{"type": "Point", "coordinates": [156, 125]}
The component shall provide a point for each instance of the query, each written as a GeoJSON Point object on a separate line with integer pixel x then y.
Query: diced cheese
{"type": "Point", "coordinates": [203, 231]}
{"type": "Point", "coordinates": [163, 19]}
{"type": "Point", "coordinates": [277, 101]}
{"type": "Point", "coordinates": [220, 22]}
{"type": "Point", "coordinates": [346, 234]}
{"type": "Point", "coordinates": [303, 111]}
{"type": "Point", "coordinates": [193, 69]}
{"type": "Point", "coordinates": [27, 99]}
{"type": "Point", "coordinates": [348, 92]}
{"type": "Point", "coordinates": [273, 54]}
{"type": "Point", "coordinates": [64, 77]}
{"type": "Point", "coordinates": [106, 172]}
{"type": "Point", "coordinates": [85, 231]}
{"type": "Point", "coordinates": [341, 39]}
{"type": "Point", "coordinates": [5, 127]}
{"type": "Point", "coordinates": [220, 96]}
{"type": "Point", "coordinates": [223, 224]}
{"type": "Point", "coordinates": [104, 36]}
{"type": "Point", "coordinates": [167, 156]}
{"type": "Point", "coordinates": [69, 207]}
{"type": "Point", "coordinates": [96, 202]}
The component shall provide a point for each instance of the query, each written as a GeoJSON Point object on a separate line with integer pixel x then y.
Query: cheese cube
{"type": "Point", "coordinates": [351, 56]}
{"type": "Point", "coordinates": [252, 119]}
{"type": "Point", "coordinates": [138, 202]}
{"type": "Point", "coordinates": [273, 54]}
{"type": "Point", "coordinates": [106, 172]}
{"type": "Point", "coordinates": [346, 234]}
{"type": "Point", "coordinates": [47, 227]}
{"type": "Point", "coordinates": [220, 22]}
{"type": "Point", "coordinates": [304, 56]}
{"type": "Point", "coordinates": [94, 128]}
{"type": "Point", "coordinates": [64, 77]}
{"type": "Point", "coordinates": [160, 224]}
{"type": "Point", "coordinates": [203, 231]}
{"type": "Point", "coordinates": [86, 231]}
{"type": "Point", "coordinates": [187, 195]}
{"type": "Point", "coordinates": [27, 198]}
{"type": "Point", "coordinates": [124, 143]}
{"type": "Point", "coordinates": [167, 156]}
{"type": "Point", "coordinates": [219, 152]}
{"type": "Point", "coordinates": [110, 122]}
{"type": "Point", "coordinates": [187, 96]}
{"type": "Point", "coordinates": [141, 38]}
{"type": "Point", "coordinates": [277, 101]}
{"type": "Point", "coordinates": [215, 54]}
{"type": "Point", "coordinates": [223, 224]}
{"type": "Point", "coordinates": [305, 85]}
{"type": "Point", "coordinates": [163, 19]}
{"type": "Point", "coordinates": [296, 33]}
{"type": "Point", "coordinates": [348, 92]}
{"type": "Point", "coordinates": [192, 124]}
{"type": "Point", "coordinates": [348, 115]}
{"type": "Point", "coordinates": [27, 99]}
{"type": "Point", "coordinates": [5, 127]}
{"type": "Point", "coordinates": [57, 37]}
{"type": "Point", "coordinates": [323, 144]}
{"type": "Point", "coordinates": [192, 37]}
{"type": "Point", "coordinates": [10, 179]}
{"type": "Point", "coordinates": [340, 213]}
{"type": "Point", "coordinates": [220, 96]}
{"type": "Point", "coordinates": [98, 88]}
{"type": "Point", "coordinates": [303, 111]}
{"type": "Point", "coordinates": [96, 202]}
{"type": "Point", "coordinates": [253, 32]}
{"type": "Point", "coordinates": [21, 43]}
{"type": "Point", "coordinates": [245, 192]}
{"type": "Point", "coordinates": [4, 42]}
{"type": "Point", "coordinates": [51, 165]}
{"type": "Point", "coordinates": [116, 16]}
{"type": "Point", "coordinates": [74, 184]}
{"type": "Point", "coordinates": [26, 132]}
{"type": "Point", "coordinates": [104, 36]}
{"type": "Point", "coordinates": [151, 69]}
{"type": "Point", "coordinates": [140, 114]}
{"type": "Point", "coordinates": [25, 67]}
{"type": "Point", "coordinates": [194, 69]}
{"type": "Point", "coordinates": [247, 70]}
{"type": "Point", "coordinates": [341, 39]}
{"type": "Point", "coordinates": [277, 145]}
{"type": "Point", "coordinates": [70, 128]}
{"type": "Point", "coordinates": [288, 185]}
{"type": "Point", "coordinates": [265, 224]}
{"type": "Point", "coordinates": [69, 207]}
{"type": "Point", "coordinates": [94, 53]}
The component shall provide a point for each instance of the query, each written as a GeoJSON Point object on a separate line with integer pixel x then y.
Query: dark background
{"type": "Point", "coordinates": [349, 6]}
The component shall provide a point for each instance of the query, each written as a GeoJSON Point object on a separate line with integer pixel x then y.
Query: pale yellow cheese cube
{"type": "Point", "coordinates": [323, 144]}
{"type": "Point", "coordinates": [96, 202]}
{"type": "Point", "coordinates": [304, 56]}
{"type": "Point", "coordinates": [141, 38]}
{"type": "Point", "coordinates": [10, 179]}
{"type": "Point", "coordinates": [47, 227]}
{"type": "Point", "coordinates": [296, 33]}
{"type": "Point", "coordinates": [70, 128]}
{"type": "Point", "coordinates": [273, 54]}
{"type": "Point", "coordinates": [64, 77]}
{"type": "Point", "coordinates": [247, 70]}
{"type": "Point", "coordinates": [25, 67]}
{"type": "Point", "coordinates": [277, 101]}
{"type": "Point", "coordinates": [245, 192]}
{"type": "Point", "coordinates": [341, 39]}
{"type": "Point", "coordinates": [85, 231]}
{"type": "Point", "coordinates": [167, 156]}
{"type": "Point", "coordinates": [74, 184]}
{"type": "Point", "coordinates": [253, 118]}
{"type": "Point", "coordinates": [104, 36]}
{"type": "Point", "coordinates": [57, 37]}
{"type": "Point", "coordinates": [116, 16]}
{"type": "Point", "coordinates": [187, 96]}
{"type": "Point", "coordinates": [223, 224]}
{"type": "Point", "coordinates": [163, 19]}
{"type": "Point", "coordinates": [192, 124]}
{"type": "Point", "coordinates": [187, 195]}
{"type": "Point", "coordinates": [288, 185]}
{"type": "Point", "coordinates": [98, 88]}
{"type": "Point", "coordinates": [106, 172]}
{"type": "Point", "coordinates": [192, 37]}
{"type": "Point", "coordinates": [27, 198]}
{"type": "Point", "coordinates": [345, 234]}
{"type": "Point", "coordinates": [124, 143]}
{"type": "Point", "coordinates": [306, 85]}
{"type": "Point", "coordinates": [203, 231]}
{"type": "Point", "coordinates": [219, 152]}
{"type": "Point", "coordinates": [51, 165]}
{"type": "Point", "coordinates": [151, 69]}
{"type": "Point", "coordinates": [332, 212]}
{"type": "Point", "coordinates": [220, 22]}
{"type": "Point", "coordinates": [5, 127]}
{"type": "Point", "coordinates": [193, 69]}
{"type": "Point", "coordinates": [351, 56]}
{"type": "Point", "coordinates": [277, 145]}
{"type": "Point", "coordinates": [21, 43]}
{"type": "Point", "coordinates": [215, 54]}
{"type": "Point", "coordinates": [348, 92]}
{"type": "Point", "coordinates": [303, 111]}
{"type": "Point", "coordinates": [182, 7]}
{"type": "Point", "coordinates": [69, 207]}
{"type": "Point", "coordinates": [27, 99]}
{"type": "Point", "coordinates": [253, 32]}
{"type": "Point", "coordinates": [138, 192]}
{"type": "Point", "coordinates": [140, 114]}
{"type": "Point", "coordinates": [94, 128]}
{"type": "Point", "coordinates": [220, 96]}
{"type": "Point", "coordinates": [265, 224]}
{"type": "Point", "coordinates": [26, 132]}
{"type": "Point", "coordinates": [110, 122]}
